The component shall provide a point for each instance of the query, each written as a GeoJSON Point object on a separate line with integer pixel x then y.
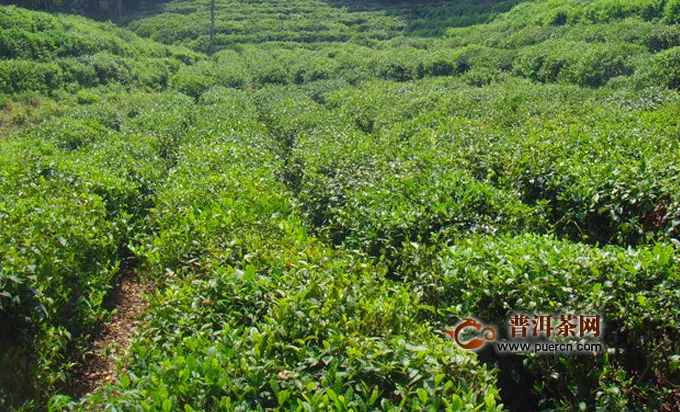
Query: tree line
{"type": "Point", "coordinates": [98, 9]}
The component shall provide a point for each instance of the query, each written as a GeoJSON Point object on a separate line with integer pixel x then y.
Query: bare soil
{"type": "Point", "coordinates": [112, 339]}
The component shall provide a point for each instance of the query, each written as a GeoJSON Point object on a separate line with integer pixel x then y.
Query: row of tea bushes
{"type": "Point", "coordinates": [635, 291]}
{"type": "Point", "coordinates": [76, 190]}
{"type": "Point", "coordinates": [257, 314]}
{"type": "Point", "coordinates": [45, 53]}
{"type": "Point", "coordinates": [591, 160]}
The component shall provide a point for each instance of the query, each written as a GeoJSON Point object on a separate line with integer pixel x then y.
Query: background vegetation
{"type": "Point", "coordinates": [333, 186]}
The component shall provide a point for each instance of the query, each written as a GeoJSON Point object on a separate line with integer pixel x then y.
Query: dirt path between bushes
{"type": "Point", "coordinates": [112, 338]}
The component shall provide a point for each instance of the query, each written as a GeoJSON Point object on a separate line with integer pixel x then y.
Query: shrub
{"type": "Point", "coordinates": [665, 68]}
{"type": "Point", "coordinates": [632, 290]}
{"type": "Point", "coordinates": [269, 72]}
{"type": "Point", "coordinates": [596, 66]}
{"type": "Point", "coordinates": [351, 195]}
{"type": "Point", "coordinates": [23, 75]}
{"type": "Point", "coordinates": [315, 208]}
{"type": "Point", "coordinates": [192, 81]}
{"type": "Point", "coordinates": [343, 337]}
{"type": "Point", "coordinates": [230, 71]}
{"type": "Point", "coordinates": [325, 348]}
{"type": "Point", "coordinates": [606, 10]}
{"type": "Point", "coordinates": [58, 256]}
{"type": "Point", "coordinates": [319, 68]}
{"type": "Point", "coordinates": [439, 63]}
{"type": "Point", "coordinates": [55, 295]}
{"type": "Point", "coordinates": [76, 193]}
{"type": "Point", "coordinates": [78, 72]}
{"type": "Point", "coordinates": [579, 63]}
{"type": "Point", "coordinates": [664, 37]}
{"type": "Point", "coordinates": [398, 64]}
{"type": "Point", "coordinates": [672, 12]}
{"type": "Point", "coordinates": [49, 53]}
{"type": "Point", "coordinates": [480, 77]}
{"type": "Point", "coordinates": [110, 68]}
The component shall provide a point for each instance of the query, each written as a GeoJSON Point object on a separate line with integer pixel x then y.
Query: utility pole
{"type": "Point", "coordinates": [211, 46]}
{"type": "Point", "coordinates": [120, 11]}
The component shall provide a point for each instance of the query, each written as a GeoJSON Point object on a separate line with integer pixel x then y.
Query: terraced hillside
{"type": "Point", "coordinates": [309, 21]}
{"type": "Point", "coordinates": [337, 184]}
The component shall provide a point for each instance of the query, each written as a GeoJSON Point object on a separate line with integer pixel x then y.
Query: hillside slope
{"type": "Point", "coordinates": [331, 189]}
{"type": "Point", "coordinates": [44, 53]}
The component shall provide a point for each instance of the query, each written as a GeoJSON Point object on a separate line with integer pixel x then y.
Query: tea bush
{"type": "Point", "coordinates": [664, 37]}
{"type": "Point", "coordinates": [672, 12]}
{"type": "Point", "coordinates": [257, 349]}
{"type": "Point", "coordinates": [330, 189]}
{"type": "Point", "coordinates": [633, 290]}
{"type": "Point", "coordinates": [77, 192]}
{"type": "Point", "coordinates": [43, 53]}
{"type": "Point", "coordinates": [665, 68]}
{"type": "Point", "coordinates": [377, 200]}
{"type": "Point", "coordinates": [578, 63]}
{"type": "Point", "coordinates": [59, 255]}
{"type": "Point", "coordinates": [341, 337]}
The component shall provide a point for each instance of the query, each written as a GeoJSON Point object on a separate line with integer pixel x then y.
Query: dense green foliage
{"type": "Point", "coordinates": [47, 53]}
{"type": "Point", "coordinates": [76, 189]}
{"type": "Point", "coordinates": [317, 327]}
{"type": "Point", "coordinates": [330, 189]}
{"type": "Point", "coordinates": [635, 291]}
{"type": "Point", "coordinates": [109, 9]}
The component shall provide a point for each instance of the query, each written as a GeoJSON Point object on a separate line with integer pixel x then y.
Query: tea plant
{"type": "Point", "coordinates": [333, 186]}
